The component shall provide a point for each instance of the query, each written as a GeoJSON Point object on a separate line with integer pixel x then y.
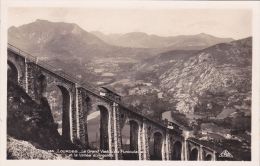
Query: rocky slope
{"type": "Point", "coordinates": [221, 71]}
{"type": "Point", "coordinates": [30, 127]}
{"type": "Point", "coordinates": [208, 91]}
{"type": "Point", "coordinates": [18, 149]}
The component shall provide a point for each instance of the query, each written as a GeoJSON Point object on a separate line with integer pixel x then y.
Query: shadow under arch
{"type": "Point", "coordinates": [156, 143]}
{"type": "Point", "coordinates": [12, 72]}
{"type": "Point", "coordinates": [129, 140]}
{"type": "Point", "coordinates": [97, 128]}
{"type": "Point", "coordinates": [176, 151]}
{"type": "Point", "coordinates": [194, 154]}
{"type": "Point", "coordinates": [86, 105]}
{"type": "Point", "coordinates": [208, 157]}
{"type": "Point", "coordinates": [59, 100]}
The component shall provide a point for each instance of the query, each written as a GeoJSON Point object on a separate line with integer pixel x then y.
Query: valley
{"type": "Point", "coordinates": [202, 82]}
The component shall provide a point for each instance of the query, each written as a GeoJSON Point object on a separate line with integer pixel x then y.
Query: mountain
{"type": "Point", "coordinates": [193, 77]}
{"type": "Point", "coordinates": [207, 90]}
{"type": "Point", "coordinates": [222, 71]}
{"type": "Point", "coordinates": [55, 39]}
{"type": "Point", "coordinates": [67, 46]}
{"type": "Point", "coordinates": [187, 75]}
{"type": "Point", "coordinates": [143, 40]}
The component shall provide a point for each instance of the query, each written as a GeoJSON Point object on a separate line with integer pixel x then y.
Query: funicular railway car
{"type": "Point", "coordinates": [105, 92]}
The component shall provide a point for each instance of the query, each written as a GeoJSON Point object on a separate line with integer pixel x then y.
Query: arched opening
{"type": "Point", "coordinates": [176, 150]}
{"type": "Point", "coordinates": [104, 144]}
{"type": "Point", "coordinates": [208, 157]}
{"type": "Point", "coordinates": [65, 113]}
{"type": "Point", "coordinates": [156, 146]}
{"type": "Point", "coordinates": [194, 155]}
{"type": "Point", "coordinates": [58, 98]}
{"type": "Point", "coordinates": [86, 108]}
{"type": "Point", "coordinates": [130, 140]}
{"type": "Point", "coordinates": [12, 72]}
{"type": "Point", "coordinates": [97, 126]}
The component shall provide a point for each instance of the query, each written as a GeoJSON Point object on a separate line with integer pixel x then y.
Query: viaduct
{"type": "Point", "coordinates": [152, 140]}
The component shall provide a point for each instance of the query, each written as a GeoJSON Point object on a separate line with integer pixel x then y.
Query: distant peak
{"type": "Point", "coordinates": [40, 20]}
{"type": "Point", "coordinates": [63, 24]}
{"type": "Point", "coordinates": [203, 34]}
{"type": "Point", "coordinates": [53, 22]}
{"type": "Point", "coordinates": [136, 34]}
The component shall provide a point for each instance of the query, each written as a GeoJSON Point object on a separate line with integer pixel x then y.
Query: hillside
{"type": "Point", "coordinates": [67, 46]}
{"type": "Point", "coordinates": [220, 72]}
{"type": "Point", "coordinates": [88, 56]}
{"type": "Point", "coordinates": [208, 91]}
{"type": "Point", "coordinates": [30, 127]}
{"type": "Point", "coordinates": [187, 77]}
{"type": "Point", "coordinates": [143, 40]}
{"type": "Point", "coordinates": [43, 38]}
{"type": "Point", "coordinates": [18, 149]}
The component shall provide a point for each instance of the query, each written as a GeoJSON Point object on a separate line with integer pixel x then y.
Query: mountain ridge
{"type": "Point", "coordinates": [144, 40]}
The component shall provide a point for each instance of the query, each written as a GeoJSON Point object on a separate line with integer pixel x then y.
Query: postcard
{"type": "Point", "coordinates": [158, 82]}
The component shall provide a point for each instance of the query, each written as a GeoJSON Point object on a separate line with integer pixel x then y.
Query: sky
{"type": "Point", "coordinates": [234, 23]}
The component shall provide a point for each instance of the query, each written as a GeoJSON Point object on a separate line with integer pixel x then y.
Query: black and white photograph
{"type": "Point", "coordinates": [129, 83]}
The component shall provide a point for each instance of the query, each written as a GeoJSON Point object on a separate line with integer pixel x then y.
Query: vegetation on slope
{"type": "Point", "coordinates": [30, 122]}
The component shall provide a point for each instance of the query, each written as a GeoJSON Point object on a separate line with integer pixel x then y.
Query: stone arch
{"type": "Point", "coordinates": [157, 131]}
{"type": "Point", "coordinates": [129, 139]}
{"type": "Point", "coordinates": [208, 157]}
{"type": "Point", "coordinates": [156, 143]}
{"type": "Point", "coordinates": [97, 123]}
{"type": "Point", "coordinates": [194, 154]}
{"type": "Point", "coordinates": [45, 81]}
{"type": "Point", "coordinates": [13, 72]}
{"type": "Point", "coordinates": [176, 150]}
{"type": "Point", "coordinates": [96, 104]}
{"type": "Point", "coordinates": [128, 119]}
{"type": "Point", "coordinates": [62, 113]}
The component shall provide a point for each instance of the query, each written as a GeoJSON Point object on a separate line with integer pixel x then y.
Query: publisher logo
{"type": "Point", "coordinates": [226, 154]}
